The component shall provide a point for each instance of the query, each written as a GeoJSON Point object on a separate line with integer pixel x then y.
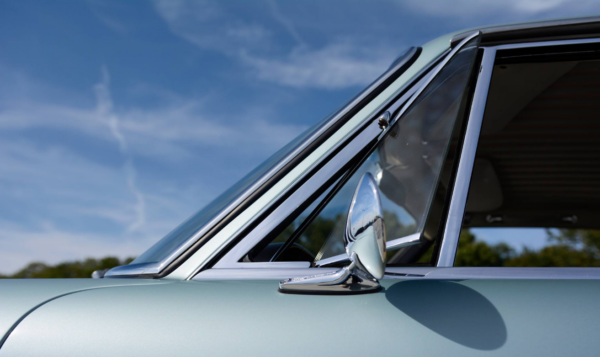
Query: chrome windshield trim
{"type": "Point", "coordinates": [389, 246]}
{"type": "Point", "coordinates": [392, 104]}
{"type": "Point", "coordinates": [154, 268]}
{"type": "Point", "coordinates": [233, 257]}
{"type": "Point", "coordinates": [132, 269]}
{"type": "Point", "coordinates": [467, 158]}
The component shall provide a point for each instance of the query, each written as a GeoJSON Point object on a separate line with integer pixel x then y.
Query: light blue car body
{"type": "Point", "coordinates": [410, 316]}
{"type": "Point", "coordinates": [227, 318]}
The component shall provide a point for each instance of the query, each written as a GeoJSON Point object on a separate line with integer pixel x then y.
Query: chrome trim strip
{"type": "Point", "coordinates": [331, 260]}
{"type": "Point", "coordinates": [403, 273]}
{"type": "Point", "coordinates": [258, 274]}
{"type": "Point", "coordinates": [132, 269]}
{"type": "Point", "coordinates": [430, 78]}
{"type": "Point", "coordinates": [544, 44]}
{"type": "Point", "coordinates": [467, 158]}
{"type": "Point", "coordinates": [389, 246]}
{"type": "Point", "coordinates": [273, 265]}
{"type": "Point", "coordinates": [404, 242]}
{"type": "Point", "coordinates": [496, 273]}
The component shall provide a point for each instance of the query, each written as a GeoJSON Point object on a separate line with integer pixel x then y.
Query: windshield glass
{"type": "Point", "coordinates": [180, 235]}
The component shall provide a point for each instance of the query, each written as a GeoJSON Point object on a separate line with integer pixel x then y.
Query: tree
{"type": "Point", "coordinates": [570, 248]}
{"type": "Point", "coordinates": [472, 253]}
{"type": "Point", "coordinates": [73, 269]}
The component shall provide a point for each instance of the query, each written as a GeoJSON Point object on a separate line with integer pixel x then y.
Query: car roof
{"type": "Point", "coordinates": [581, 27]}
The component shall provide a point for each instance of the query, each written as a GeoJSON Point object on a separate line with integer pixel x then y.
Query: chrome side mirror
{"type": "Point", "coordinates": [365, 246]}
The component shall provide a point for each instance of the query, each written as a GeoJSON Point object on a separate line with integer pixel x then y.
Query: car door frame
{"type": "Point", "coordinates": [444, 268]}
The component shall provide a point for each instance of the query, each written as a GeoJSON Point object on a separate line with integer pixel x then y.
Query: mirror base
{"type": "Point", "coordinates": [346, 281]}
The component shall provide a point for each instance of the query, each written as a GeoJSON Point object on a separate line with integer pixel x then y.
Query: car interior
{"type": "Point", "coordinates": [537, 167]}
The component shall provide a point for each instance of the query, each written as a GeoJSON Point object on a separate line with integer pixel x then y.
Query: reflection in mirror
{"type": "Point", "coordinates": [365, 245]}
{"type": "Point", "coordinates": [365, 228]}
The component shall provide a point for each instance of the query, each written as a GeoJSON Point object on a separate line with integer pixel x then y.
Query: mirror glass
{"type": "Point", "coordinates": [365, 228]}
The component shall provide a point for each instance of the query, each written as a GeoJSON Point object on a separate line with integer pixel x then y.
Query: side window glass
{"type": "Point", "coordinates": [408, 166]}
{"type": "Point", "coordinates": [535, 189]}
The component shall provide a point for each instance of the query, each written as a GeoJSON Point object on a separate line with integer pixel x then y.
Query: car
{"type": "Point", "coordinates": [357, 239]}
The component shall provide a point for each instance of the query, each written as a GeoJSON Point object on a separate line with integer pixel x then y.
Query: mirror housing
{"type": "Point", "coordinates": [365, 246]}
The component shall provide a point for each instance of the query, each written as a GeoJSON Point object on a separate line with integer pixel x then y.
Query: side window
{"type": "Point", "coordinates": [534, 197]}
{"type": "Point", "coordinates": [409, 164]}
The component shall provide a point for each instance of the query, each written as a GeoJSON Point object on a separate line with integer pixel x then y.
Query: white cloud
{"type": "Point", "coordinates": [335, 66]}
{"type": "Point", "coordinates": [205, 24]}
{"type": "Point", "coordinates": [468, 8]}
{"type": "Point", "coordinates": [285, 22]}
{"type": "Point", "coordinates": [70, 207]}
{"type": "Point", "coordinates": [64, 193]}
{"type": "Point", "coordinates": [51, 245]}
{"type": "Point", "coordinates": [163, 132]}
{"type": "Point", "coordinates": [104, 110]}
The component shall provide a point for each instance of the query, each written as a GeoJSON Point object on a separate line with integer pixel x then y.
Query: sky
{"type": "Point", "coordinates": [118, 120]}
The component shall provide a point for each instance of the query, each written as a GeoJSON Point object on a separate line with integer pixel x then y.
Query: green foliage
{"type": "Point", "coordinates": [74, 269]}
{"type": "Point", "coordinates": [479, 254]}
{"type": "Point", "coordinates": [315, 235]}
{"type": "Point", "coordinates": [394, 228]}
{"type": "Point", "coordinates": [572, 248]}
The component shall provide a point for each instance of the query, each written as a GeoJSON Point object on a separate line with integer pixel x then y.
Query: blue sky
{"type": "Point", "coordinates": [120, 119]}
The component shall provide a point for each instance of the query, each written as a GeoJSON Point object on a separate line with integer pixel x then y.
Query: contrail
{"type": "Point", "coordinates": [286, 23]}
{"type": "Point", "coordinates": [104, 108]}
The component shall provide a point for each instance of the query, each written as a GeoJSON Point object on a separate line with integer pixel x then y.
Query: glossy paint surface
{"type": "Point", "coordinates": [18, 297]}
{"type": "Point", "coordinates": [227, 318]}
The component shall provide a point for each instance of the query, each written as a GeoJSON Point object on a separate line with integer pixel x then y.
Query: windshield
{"type": "Point", "coordinates": [164, 247]}
{"type": "Point", "coordinates": [179, 235]}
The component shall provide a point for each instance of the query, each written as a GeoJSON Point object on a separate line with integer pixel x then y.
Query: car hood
{"type": "Point", "coordinates": [19, 297]}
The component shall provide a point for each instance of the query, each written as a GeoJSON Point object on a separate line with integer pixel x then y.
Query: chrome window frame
{"type": "Point", "coordinates": [467, 156]}
{"type": "Point", "coordinates": [369, 132]}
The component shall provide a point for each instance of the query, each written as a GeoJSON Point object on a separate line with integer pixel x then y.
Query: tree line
{"type": "Point", "coordinates": [567, 248]}
{"type": "Point", "coordinates": [71, 269]}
